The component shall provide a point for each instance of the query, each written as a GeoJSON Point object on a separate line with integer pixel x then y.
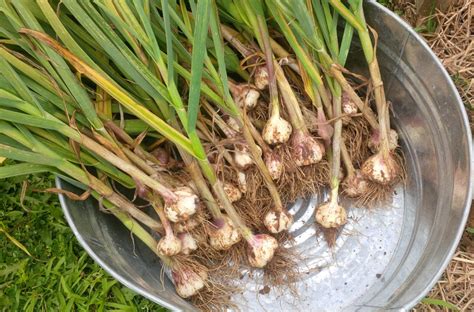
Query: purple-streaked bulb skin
{"type": "Point", "coordinates": [223, 234]}
{"type": "Point", "coordinates": [188, 282]}
{"type": "Point", "coordinates": [380, 169]}
{"type": "Point", "coordinates": [260, 250]}
{"type": "Point", "coordinates": [306, 150]}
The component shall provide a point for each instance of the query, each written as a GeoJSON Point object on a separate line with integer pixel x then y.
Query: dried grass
{"type": "Point", "coordinates": [456, 286]}
{"type": "Point", "coordinates": [453, 42]}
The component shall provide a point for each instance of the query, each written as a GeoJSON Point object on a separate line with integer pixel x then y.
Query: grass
{"type": "Point", "coordinates": [42, 267]}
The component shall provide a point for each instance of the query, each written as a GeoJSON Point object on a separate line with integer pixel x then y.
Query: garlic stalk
{"type": "Point", "coordinates": [354, 185]}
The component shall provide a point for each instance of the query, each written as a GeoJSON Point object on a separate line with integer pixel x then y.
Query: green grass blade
{"type": "Point", "coordinates": [10, 100]}
{"type": "Point", "coordinates": [440, 303]}
{"type": "Point", "coordinates": [77, 91]}
{"type": "Point", "coordinates": [320, 17]}
{"type": "Point", "coordinates": [304, 58]}
{"type": "Point", "coordinates": [22, 169]}
{"type": "Point", "coordinates": [62, 32]}
{"type": "Point", "coordinates": [347, 15]}
{"type": "Point", "coordinates": [26, 156]}
{"type": "Point", "coordinates": [197, 63]}
{"type": "Point", "coordinates": [118, 51]}
{"type": "Point", "coordinates": [18, 84]}
{"type": "Point", "coordinates": [345, 44]}
{"type": "Point", "coordinates": [27, 69]}
{"type": "Point", "coordinates": [169, 40]}
{"type": "Point", "coordinates": [120, 95]}
{"type": "Point", "coordinates": [34, 121]}
{"type": "Point", "coordinates": [219, 51]}
{"type": "Point", "coordinates": [334, 45]}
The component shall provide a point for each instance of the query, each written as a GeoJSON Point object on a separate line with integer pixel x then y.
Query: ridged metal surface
{"type": "Point", "coordinates": [386, 258]}
{"type": "Point", "coordinates": [333, 279]}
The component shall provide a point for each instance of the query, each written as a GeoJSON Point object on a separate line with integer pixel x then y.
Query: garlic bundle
{"type": "Point", "coordinates": [278, 221]}
{"type": "Point", "coordinates": [182, 208]}
{"type": "Point", "coordinates": [260, 250]}
{"type": "Point", "coordinates": [277, 130]}
{"type": "Point", "coordinates": [223, 234]}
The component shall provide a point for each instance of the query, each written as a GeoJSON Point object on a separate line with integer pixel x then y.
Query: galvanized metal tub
{"type": "Point", "coordinates": [387, 258]}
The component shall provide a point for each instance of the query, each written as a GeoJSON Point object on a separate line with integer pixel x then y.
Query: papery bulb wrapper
{"type": "Point", "coordinates": [278, 221]}
{"type": "Point", "coordinates": [185, 206]}
{"type": "Point", "coordinates": [260, 250]}
{"type": "Point", "coordinates": [234, 124]}
{"type": "Point", "coordinates": [169, 245]}
{"type": "Point", "coordinates": [331, 215]}
{"type": "Point", "coordinates": [242, 181]}
{"type": "Point", "coordinates": [223, 234]}
{"type": "Point", "coordinates": [325, 130]}
{"type": "Point", "coordinates": [260, 77]}
{"type": "Point", "coordinates": [187, 281]}
{"type": "Point", "coordinates": [233, 192]}
{"type": "Point", "coordinates": [374, 140]}
{"type": "Point", "coordinates": [348, 107]}
{"type": "Point", "coordinates": [306, 150]}
{"type": "Point", "coordinates": [355, 185]}
{"type": "Point", "coordinates": [274, 164]}
{"type": "Point", "coordinates": [185, 226]}
{"type": "Point", "coordinates": [242, 157]}
{"type": "Point", "coordinates": [245, 96]}
{"type": "Point", "coordinates": [277, 130]}
{"type": "Point", "coordinates": [310, 119]}
{"type": "Point", "coordinates": [188, 243]}
{"type": "Point", "coordinates": [380, 169]}
{"type": "Point", "coordinates": [161, 155]}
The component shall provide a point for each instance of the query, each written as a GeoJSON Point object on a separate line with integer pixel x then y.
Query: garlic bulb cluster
{"type": "Point", "coordinates": [380, 169]}
{"type": "Point", "coordinates": [277, 130]}
{"type": "Point", "coordinates": [331, 215]}
{"type": "Point", "coordinates": [169, 245]}
{"type": "Point", "coordinates": [223, 234]}
{"type": "Point", "coordinates": [274, 164]}
{"type": "Point", "coordinates": [188, 281]}
{"type": "Point", "coordinates": [184, 206]}
{"type": "Point", "coordinates": [355, 184]}
{"type": "Point", "coordinates": [306, 150]}
{"type": "Point", "coordinates": [278, 221]}
{"type": "Point", "coordinates": [261, 249]}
